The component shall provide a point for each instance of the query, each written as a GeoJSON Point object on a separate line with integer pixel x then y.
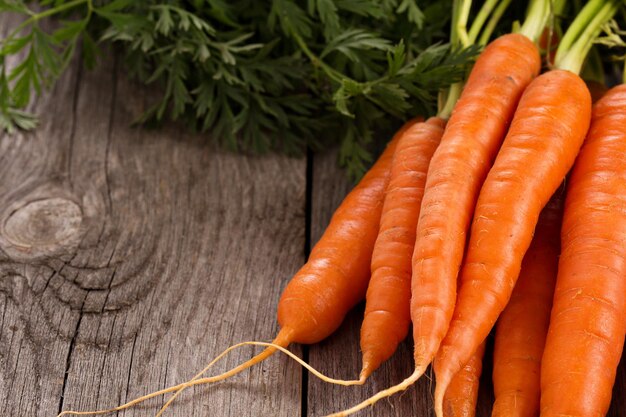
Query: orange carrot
{"type": "Point", "coordinates": [588, 320]}
{"type": "Point", "coordinates": [522, 327]}
{"type": "Point", "coordinates": [387, 315]}
{"type": "Point", "coordinates": [462, 394]}
{"type": "Point", "coordinates": [334, 279]}
{"type": "Point", "coordinates": [469, 144]}
{"type": "Point", "coordinates": [545, 136]}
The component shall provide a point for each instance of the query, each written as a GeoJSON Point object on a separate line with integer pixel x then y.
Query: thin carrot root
{"type": "Point", "coordinates": [196, 380]}
{"type": "Point", "coordinates": [256, 359]}
{"type": "Point", "coordinates": [440, 390]}
{"type": "Point", "coordinates": [152, 394]}
{"type": "Point", "coordinates": [271, 348]}
{"type": "Point", "coordinates": [382, 394]}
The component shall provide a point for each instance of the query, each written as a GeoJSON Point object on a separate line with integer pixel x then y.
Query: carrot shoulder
{"type": "Point", "coordinates": [588, 321]}
{"type": "Point", "coordinates": [546, 133]}
{"type": "Point", "coordinates": [522, 327]}
{"type": "Point", "coordinates": [387, 316]}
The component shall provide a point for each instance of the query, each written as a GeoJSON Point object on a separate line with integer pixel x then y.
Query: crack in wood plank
{"type": "Point", "coordinates": [68, 360]}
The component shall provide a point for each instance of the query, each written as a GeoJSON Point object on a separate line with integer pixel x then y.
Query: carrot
{"type": "Point", "coordinates": [588, 320]}
{"type": "Point", "coordinates": [462, 394]}
{"type": "Point", "coordinates": [547, 131]}
{"type": "Point", "coordinates": [469, 145]}
{"type": "Point", "coordinates": [460, 163]}
{"type": "Point", "coordinates": [387, 310]}
{"type": "Point", "coordinates": [387, 316]}
{"type": "Point", "coordinates": [522, 327]}
{"type": "Point", "coordinates": [334, 279]}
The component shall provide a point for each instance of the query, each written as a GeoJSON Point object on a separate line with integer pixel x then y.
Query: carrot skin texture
{"type": "Point", "coordinates": [462, 394]}
{"type": "Point", "coordinates": [335, 278]}
{"type": "Point", "coordinates": [387, 313]}
{"type": "Point", "coordinates": [468, 147]}
{"type": "Point", "coordinates": [588, 320]}
{"type": "Point", "coordinates": [546, 134]}
{"type": "Point", "coordinates": [522, 328]}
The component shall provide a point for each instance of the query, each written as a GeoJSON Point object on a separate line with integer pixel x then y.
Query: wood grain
{"type": "Point", "coordinates": [129, 258]}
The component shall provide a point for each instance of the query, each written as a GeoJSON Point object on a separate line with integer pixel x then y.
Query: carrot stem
{"type": "Point", "coordinates": [493, 21]}
{"type": "Point", "coordinates": [557, 7]}
{"type": "Point", "coordinates": [572, 59]}
{"type": "Point", "coordinates": [36, 17]}
{"type": "Point", "coordinates": [481, 18]}
{"type": "Point", "coordinates": [458, 37]}
{"type": "Point", "coordinates": [453, 96]}
{"type": "Point", "coordinates": [461, 11]}
{"type": "Point", "coordinates": [536, 19]}
{"type": "Point", "coordinates": [578, 25]}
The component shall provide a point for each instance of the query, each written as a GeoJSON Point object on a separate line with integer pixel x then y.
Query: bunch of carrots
{"type": "Point", "coordinates": [465, 225]}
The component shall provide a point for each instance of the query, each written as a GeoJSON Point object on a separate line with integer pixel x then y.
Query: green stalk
{"type": "Point", "coordinates": [493, 22]}
{"type": "Point", "coordinates": [464, 7]}
{"type": "Point", "coordinates": [453, 96]}
{"type": "Point", "coordinates": [315, 60]}
{"type": "Point", "coordinates": [454, 36]}
{"type": "Point", "coordinates": [481, 18]}
{"type": "Point", "coordinates": [536, 19]}
{"type": "Point", "coordinates": [458, 37]}
{"type": "Point", "coordinates": [558, 6]}
{"type": "Point", "coordinates": [556, 9]}
{"type": "Point", "coordinates": [578, 26]}
{"type": "Point", "coordinates": [46, 13]}
{"type": "Point", "coordinates": [572, 59]}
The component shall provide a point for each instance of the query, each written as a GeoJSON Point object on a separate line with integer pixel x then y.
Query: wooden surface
{"type": "Point", "coordinates": [129, 258]}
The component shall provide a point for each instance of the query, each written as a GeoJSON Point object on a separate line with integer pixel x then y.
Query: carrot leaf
{"type": "Point", "coordinates": [257, 76]}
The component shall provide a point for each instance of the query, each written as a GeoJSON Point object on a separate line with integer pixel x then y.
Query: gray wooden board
{"type": "Point", "coordinates": [129, 258]}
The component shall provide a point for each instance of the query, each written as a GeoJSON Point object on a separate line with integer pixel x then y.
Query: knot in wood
{"type": "Point", "coordinates": [43, 225]}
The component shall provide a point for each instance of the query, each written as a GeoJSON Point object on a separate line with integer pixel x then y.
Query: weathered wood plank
{"type": "Point", "coordinates": [129, 258]}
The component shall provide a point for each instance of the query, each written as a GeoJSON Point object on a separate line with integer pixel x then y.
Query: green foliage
{"type": "Point", "coordinates": [257, 75]}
